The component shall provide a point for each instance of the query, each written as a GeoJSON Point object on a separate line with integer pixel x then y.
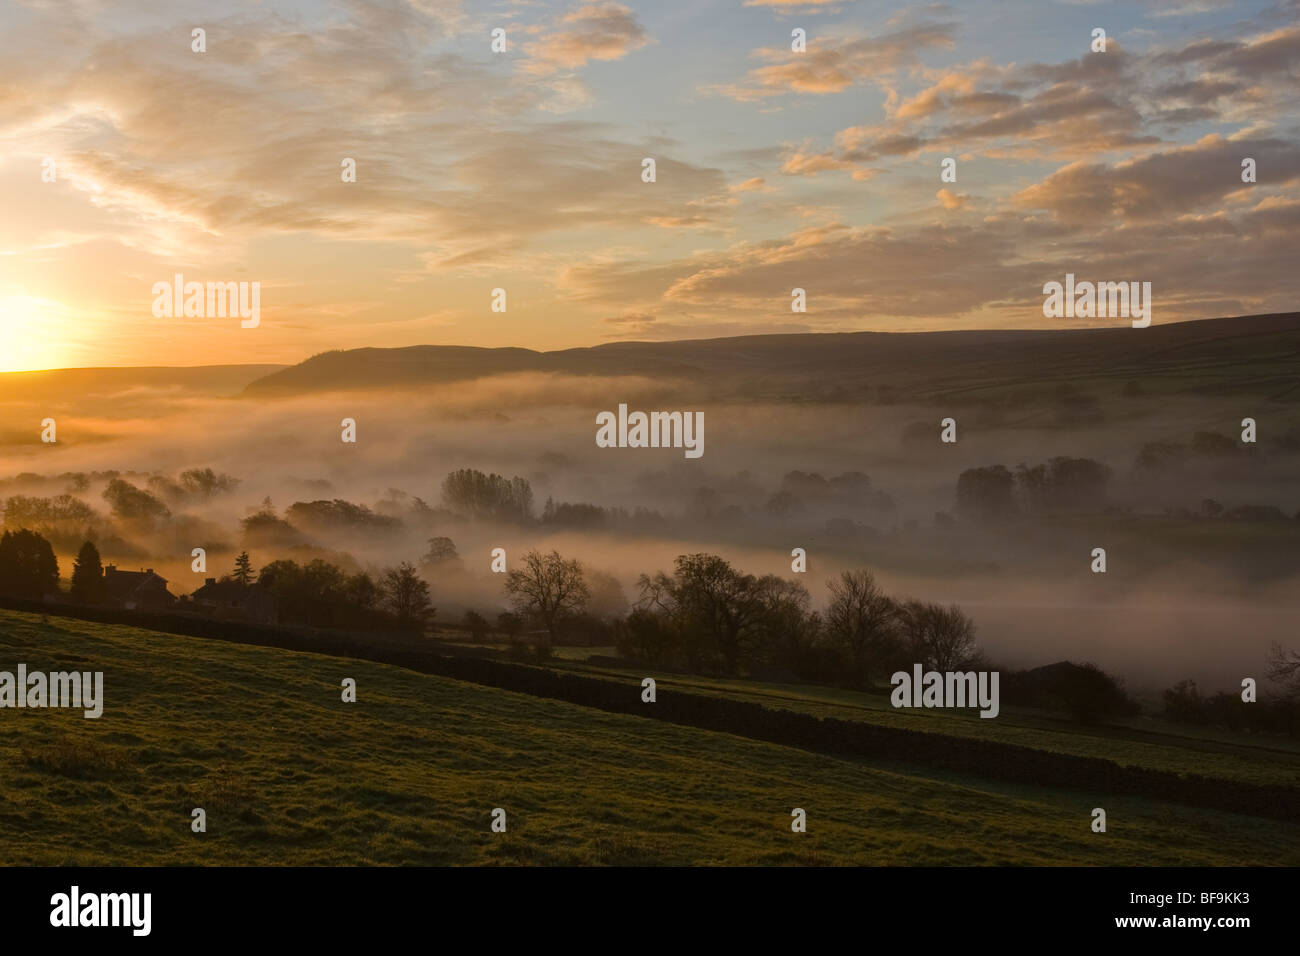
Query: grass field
{"type": "Point", "coordinates": [289, 774]}
{"type": "Point", "coordinates": [1139, 742]}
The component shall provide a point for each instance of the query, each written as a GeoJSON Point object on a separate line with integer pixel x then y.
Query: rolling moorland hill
{"type": "Point", "coordinates": [1247, 355]}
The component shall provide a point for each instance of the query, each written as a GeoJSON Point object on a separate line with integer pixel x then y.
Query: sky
{"type": "Point", "coordinates": [126, 157]}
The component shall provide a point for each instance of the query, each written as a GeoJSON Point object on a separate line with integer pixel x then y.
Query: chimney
{"type": "Point", "coordinates": [110, 568]}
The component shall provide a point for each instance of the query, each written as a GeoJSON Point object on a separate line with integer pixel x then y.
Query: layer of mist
{"type": "Point", "coordinates": [1201, 534]}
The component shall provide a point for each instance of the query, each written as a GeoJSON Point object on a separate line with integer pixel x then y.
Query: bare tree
{"type": "Point", "coordinates": [1284, 669]}
{"type": "Point", "coordinates": [406, 594]}
{"type": "Point", "coordinates": [548, 587]}
{"type": "Point", "coordinates": [942, 638]}
{"type": "Point", "coordinates": [782, 629]}
{"type": "Point", "coordinates": [656, 593]}
{"type": "Point", "coordinates": [863, 620]}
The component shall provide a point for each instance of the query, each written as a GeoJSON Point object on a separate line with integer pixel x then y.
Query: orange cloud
{"type": "Point", "coordinates": [810, 164]}
{"type": "Point", "coordinates": [832, 64]}
{"type": "Point", "coordinates": [594, 31]}
{"type": "Point", "coordinates": [1161, 184]}
{"type": "Point", "coordinates": [679, 222]}
{"type": "Point", "coordinates": [950, 200]}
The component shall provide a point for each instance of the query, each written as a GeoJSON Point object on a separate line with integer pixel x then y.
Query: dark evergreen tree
{"type": "Point", "coordinates": [88, 575]}
{"type": "Point", "coordinates": [244, 573]}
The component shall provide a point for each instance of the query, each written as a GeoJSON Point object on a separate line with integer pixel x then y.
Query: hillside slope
{"type": "Point", "coordinates": [410, 774]}
{"type": "Point", "coordinates": [1256, 355]}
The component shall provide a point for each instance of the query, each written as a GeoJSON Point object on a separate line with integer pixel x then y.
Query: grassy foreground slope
{"type": "Point", "coordinates": [410, 774]}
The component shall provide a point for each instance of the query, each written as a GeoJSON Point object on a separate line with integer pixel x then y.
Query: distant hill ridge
{"type": "Point", "coordinates": [58, 384]}
{"type": "Point", "coordinates": [1254, 354]}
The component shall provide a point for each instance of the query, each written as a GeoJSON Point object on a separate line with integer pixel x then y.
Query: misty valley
{"type": "Point", "coordinates": [1198, 522]}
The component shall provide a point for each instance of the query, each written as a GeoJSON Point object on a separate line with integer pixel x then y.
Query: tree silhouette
{"type": "Point", "coordinates": [863, 621]}
{"type": "Point", "coordinates": [244, 573]}
{"type": "Point", "coordinates": [1284, 669]}
{"type": "Point", "coordinates": [88, 575]}
{"type": "Point", "coordinates": [28, 568]}
{"type": "Point", "coordinates": [941, 638]}
{"type": "Point", "coordinates": [406, 595]}
{"type": "Point", "coordinates": [987, 493]}
{"type": "Point", "coordinates": [548, 587]}
{"type": "Point", "coordinates": [440, 549]}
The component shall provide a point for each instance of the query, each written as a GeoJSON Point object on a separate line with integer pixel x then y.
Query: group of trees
{"type": "Point", "coordinates": [21, 511]}
{"type": "Point", "coordinates": [850, 492]}
{"type": "Point", "coordinates": [707, 615]}
{"type": "Point", "coordinates": [339, 515]}
{"type": "Point", "coordinates": [317, 593]}
{"type": "Point", "coordinates": [1204, 446]}
{"type": "Point", "coordinates": [198, 484]}
{"type": "Point", "coordinates": [1210, 508]}
{"type": "Point", "coordinates": [564, 514]}
{"type": "Point", "coordinates": [30, 570]}
{"type": "Point", "coordinates": [470, 492]}
{"type": "Point", "coordinates": [134, 504]}
{"type": "Point", "coordinates": [321, 594]}
{"type": "Point", "coordinates": [1274, 712]}
{"type": "Point", "coordinates": [1059, 485]}
{"type": "Point", "coordinates": [1063, 484]}
{"type": "Point", "coordinates": [66, 519]}
{"type": "Point", "coordinates": [62, 519]}
{"type": "Point", "coordinates": [1185, 704]}
{"type": "Point", "coordinates": [28, 567]}
{"type": "Point", "coordinates": [264, 528]}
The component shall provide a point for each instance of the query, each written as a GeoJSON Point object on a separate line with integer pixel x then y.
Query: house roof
{"type": "Point", "coordinates": [229, 590]}
{"type": "Point", "coordinates": [121, 585]}
{"type": "Point", "coordinates": [223, 590]}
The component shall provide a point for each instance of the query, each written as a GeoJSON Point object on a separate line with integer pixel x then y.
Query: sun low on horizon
{"type": "Point", "coordinates": [33, 335]}
{"type": "Point", "coordinates": [561, 174]}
